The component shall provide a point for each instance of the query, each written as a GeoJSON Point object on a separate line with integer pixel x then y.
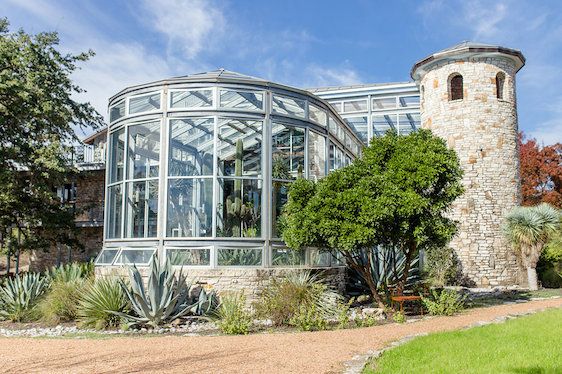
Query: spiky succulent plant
{"type": "Point", "coordinates": [165, 297]}
{"type": "Point", "coordinates": [19, 296]}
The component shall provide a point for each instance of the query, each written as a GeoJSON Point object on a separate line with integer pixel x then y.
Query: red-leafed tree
{"type": "Point", "coordinates": [541, 172]}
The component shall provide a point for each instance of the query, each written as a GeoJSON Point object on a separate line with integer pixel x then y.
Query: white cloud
{"type": "Point", "coordinates": [189, 25]}
{"type": "Point", "coordinates": [484, 18]}
{"type": "Point", "coordinates": [549, 132]}
{"type": "Point", "coordinates": [331, 76]}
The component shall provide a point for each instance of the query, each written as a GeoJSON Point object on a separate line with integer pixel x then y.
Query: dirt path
{"type": "Point", "coordinates": [316, 352]}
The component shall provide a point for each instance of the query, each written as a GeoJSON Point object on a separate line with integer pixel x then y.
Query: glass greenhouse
{"type": "Point", "coordinates": [199, 167]}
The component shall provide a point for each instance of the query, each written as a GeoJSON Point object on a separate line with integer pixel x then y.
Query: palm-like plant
{"type": "Point", "coordinates": [529, 229]}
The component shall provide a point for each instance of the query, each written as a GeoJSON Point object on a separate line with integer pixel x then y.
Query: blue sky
{"type": "Point", "coordinates": [301, 43]}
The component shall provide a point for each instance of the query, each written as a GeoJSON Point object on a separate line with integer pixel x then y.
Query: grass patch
{"type": "Point", "coordinates": [524, 345]}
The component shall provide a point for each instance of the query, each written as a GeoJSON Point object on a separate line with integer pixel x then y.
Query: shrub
{"type": "Point", "coordinates": [61, 301]}
{"type": "Point", "coordinates": [308, 318]}
{"type": "Point", "coordinates": [232, 314]}
{"type": "Point", "coordinates": [282, 299]}
{"type": "Point", "coordinates": [444, 303]}
{"type": "Point", "coordinates": [71, 272]}
{"type": "Point", "coordinates": [549, 267]}
{"type": "Point", "coordinates": [19, 297]}
{"type": "Point", "coordinates": [399, 317]}
{"type": "Point", "coordinates": [441, 266]}
{"type": "Point", "coordinates": [365, 321]}
{"type": "Point", "coordinates": [102, 299]}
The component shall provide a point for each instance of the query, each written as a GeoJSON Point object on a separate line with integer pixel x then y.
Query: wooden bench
{"type": "Point", "coordinates": [401, 299]}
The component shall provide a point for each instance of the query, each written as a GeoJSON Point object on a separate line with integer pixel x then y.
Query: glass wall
{"type": "Point", "coordinates": [381, 109]}
{"type": "Point", "coordinates": [205, 181]}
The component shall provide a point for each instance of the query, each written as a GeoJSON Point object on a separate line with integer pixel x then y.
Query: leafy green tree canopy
{"type": "Point", "coordinates": [38, 115]}
{"type": "Point", "coordinates": [396, 194]}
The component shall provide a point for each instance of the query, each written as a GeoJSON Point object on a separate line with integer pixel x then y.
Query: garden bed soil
{"type": "Point", "coordinates": [285, 352]}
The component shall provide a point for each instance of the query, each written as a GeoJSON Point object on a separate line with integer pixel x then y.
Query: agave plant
{"type": "Point", "coordinates": [529, 229]}
{"type": "Point", "coordinates": [19, 296]}
{"type": "Point", "coordinates": [165, 298]}
{"type": "Point", "coordinates": [387, 267]}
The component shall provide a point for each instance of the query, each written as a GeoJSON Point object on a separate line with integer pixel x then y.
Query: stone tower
{"type": "Point", "coordinates": [468, 99]}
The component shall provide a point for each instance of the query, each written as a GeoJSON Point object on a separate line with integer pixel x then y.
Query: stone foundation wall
{"type": "Point", "coordinates": [482, 129]}
{"type": "Point", "coordinates": [248, 281]}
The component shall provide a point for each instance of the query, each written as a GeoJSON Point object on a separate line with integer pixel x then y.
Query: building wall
{"type": "Point", "coordinates": [483, 131]}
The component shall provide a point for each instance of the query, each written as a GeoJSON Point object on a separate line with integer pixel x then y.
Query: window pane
{"type": "Point", "coordinates": [144, 150]}
{"type": "Point", "coordinates": [317, 114]}
{"type": "Point", "coordinates": [408, 123]}
{"type": "Point", "coordinates": [355, 106]}
{"type": "Point", "coordinates": [141, 213]}
{"type": "Point", "coordinates": [134, 256]}
{"type": "Point", "coordinates": [381, 124]}
{"type": "Point", "coordinates": [385, 103]}
{"type": "Point", "coordinates": [242, 100]}
{"type": "Point", "coordinates": [360, 126]}
{"type": "Point", "coordinates": [191, 147]}
{"type": "Point", "coordinates": [287, 151]}
{"type": "Point", "coordinates": [288, 106]}
{"type": "Point", "coordinates": [239, 208]}
{"type": "Point", "coordinates": [287, 257]}
{"type": "Point", "coordinates": [144, 103]}
{"type": "Point", "coordinates": [106, 256]}
{"type": "Point", "coordinates": [409, 101]}
{"type": "Point", "coordinates": [316, 155]}
{"type": "Point", "coordinates": [332, 125]}
{"type": "Point", "coordinates": [190, 208]}
{"type": "Point", "coordinates": [336, 106]}
{"type": "Point", "coordinates": [117, 111]}
{"type": "Point", "coordinates": [239, 147]}
{"type": "Point", "coordinates": [332, 157]}
{"type": "Point", "coordinates": [117, 155]}
{"type": "Point", "coordinates": [191, 99]}
{"type": "Point", "coordinates": [189, 256]}
{"type": "Point", "coordinates": [319, 257]}
{"type": "Point", "coordinates": [279, 196]}
{"type": "Point", "coordinates": [239, 256]}
{"type": "Point", "coordinates": [115, 211]}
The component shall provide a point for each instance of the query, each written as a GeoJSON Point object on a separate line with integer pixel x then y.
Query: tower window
{"type": "Point", "coordinates": [455, 87]}
{"type": "Point", "coordinates": [500, 82]}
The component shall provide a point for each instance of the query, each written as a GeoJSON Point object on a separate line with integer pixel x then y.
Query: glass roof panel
{"type": "Point", "coordinates": [355, 106]}
{"type": "Point", "coordinates": [288, 106]}
{"type": "Point", "coordinates": [191, 99]}
{"type": "Point", "coordinates": [360, 126]}
{"type": "Point", "coordinates": [409, 101]}
{"type": "Point", "coordinates": [241, 100]}
{"type": "Point", "coordinates": [383, 123]}
{"type": "Point", "coordinates": [384, 103]}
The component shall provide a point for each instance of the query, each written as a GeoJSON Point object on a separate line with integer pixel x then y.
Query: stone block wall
{"type": "Point", "coordinates": [483, 131]}
{"type": "Point", "coordinates": [248, 281]}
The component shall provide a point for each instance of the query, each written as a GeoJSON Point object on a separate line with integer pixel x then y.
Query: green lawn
{"type": "Point", "coordinates": [531, 344]}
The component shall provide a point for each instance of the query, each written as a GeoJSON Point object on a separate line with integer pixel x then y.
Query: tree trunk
{"type": "Point", "coordinates": [361, 269]}
{"type": "Point", "coordinates": [532, 278]}
{"type": "Point", "coordinates": [409, 254]}
{"type": "Point", "coordinates": [18, 252]}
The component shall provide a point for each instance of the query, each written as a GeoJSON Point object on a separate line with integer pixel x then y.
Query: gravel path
{"type": "Point", "coordinates": [316, 352]}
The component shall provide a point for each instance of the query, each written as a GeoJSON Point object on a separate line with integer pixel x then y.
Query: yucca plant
{"type": "Point", "coordinates": [165, 298]}
{"type": "Point", "coordinates": [102, 299]}
{"type": "Point", "coordinates": [529, 229]}
{"type": "Point", "coordinates": [71, 272]}
{"type": "Point", "coordinates": [19, 296]}
{"type": "Point", "coordinates": [233, 317]}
